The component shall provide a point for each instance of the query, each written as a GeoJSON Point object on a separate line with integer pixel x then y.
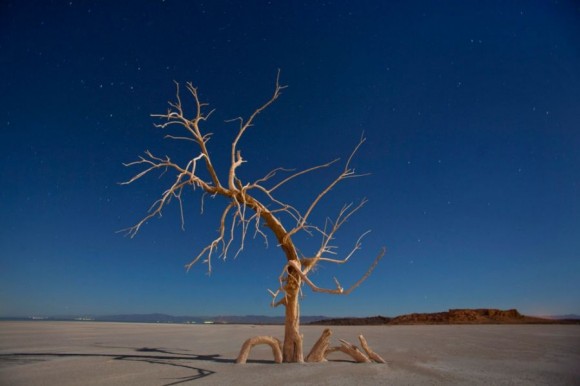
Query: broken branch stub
{"type": "Point", "coordinates": [318, 351]}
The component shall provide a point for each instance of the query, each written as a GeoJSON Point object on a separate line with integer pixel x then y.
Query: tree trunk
{"type": "Point", "coordinates": [292, 350]}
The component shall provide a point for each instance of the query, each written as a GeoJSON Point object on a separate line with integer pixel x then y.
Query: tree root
{"type": "Point", "coordinates": [319, 351]}
{"type": "Point", "coordinates": [370, 353]}
{"type": "Point", "coordinates": [274, 343]}
{"type": "Point", "coordinates": [350, 349]}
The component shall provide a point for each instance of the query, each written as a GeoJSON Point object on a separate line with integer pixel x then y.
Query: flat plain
{"type": "Point", "coordinates": [96, 353]}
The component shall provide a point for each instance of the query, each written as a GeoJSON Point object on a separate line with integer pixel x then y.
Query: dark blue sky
{"type": "Point", "coordinates": [471, 110]}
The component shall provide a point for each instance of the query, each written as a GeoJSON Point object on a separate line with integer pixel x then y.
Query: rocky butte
{"type": "Point", "coordinates": [453, 316]}
{"type": "Point", "coordinates": [467, 316]}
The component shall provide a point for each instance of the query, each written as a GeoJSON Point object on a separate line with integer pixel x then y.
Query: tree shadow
{"type": "Point", "coordinates": [170, 359]}
{"type": "Point", "coordinates": [155, 356]}
{"type": "Point", "coordinates": [184, 354]}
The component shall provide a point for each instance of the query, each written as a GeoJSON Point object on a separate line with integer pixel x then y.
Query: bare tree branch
{"type": "Point", "coordinates": [370, 353]}
{"type": "Point", "coordinates": [301, 173]}
{"type": "Point", "coordinates": [338, 290]}
{"type": "Point", "coordinates": [177, 116]}
{"type": "Point", "coordinates": [347, 173]}
{"type": "Point", "coordinates": [328, 235]}
{"type": "Point", "coordinates": [350, 349]}
{"type": "Point", "coordinates": [236, 158]}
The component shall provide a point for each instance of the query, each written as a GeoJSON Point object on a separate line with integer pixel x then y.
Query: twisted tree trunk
{"type": "Point", "coordinates": [292, 349]}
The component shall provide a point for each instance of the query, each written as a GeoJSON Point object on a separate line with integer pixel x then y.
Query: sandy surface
{"type": "Point", "coordinates": [88, 353]}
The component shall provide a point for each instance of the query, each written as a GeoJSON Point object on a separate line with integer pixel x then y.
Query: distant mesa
{"type": "Point", "coordinates": [368, 321]}
{"type": "Point", "coordinates": [453, 316]}
{"type": "Point", "coordinates": [468, 316]}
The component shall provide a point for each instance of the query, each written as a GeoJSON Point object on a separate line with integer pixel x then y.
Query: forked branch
{"type": "Point", "coordinates": [242, 211]}
{"type": "Point", "coordinates": [346, 173]}
{"type": "Point", "coordinates": [339, 290]}
{"type": "Point", "coordinates": [236, 158]}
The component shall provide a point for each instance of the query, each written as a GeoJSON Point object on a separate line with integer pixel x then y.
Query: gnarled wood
{"type": "Point", "coordinates": [274, 343]}
{"type": "Point", "coordinates": [319, 349]}
{"type": "Point", "coordinates": [292, 349]}
{"type": "Point", "coordinates": [250, 206]}
{"type": "Point", "coordinates": [370, 353]}
{"type": "Point", "coordinates": [350, 350]}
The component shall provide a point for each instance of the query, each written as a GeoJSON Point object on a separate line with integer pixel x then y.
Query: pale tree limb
{"type": "Point", "coordinates": [368, 273]}
{"type": "Point", "coordinates": [346, 173]}
{"type": "Point", "coordinates": [213, 245]}
{"type": "Point", "coordinates": [271, 174]}
{"type": "Point", "coordinates": [287, 179]}
{"type": "Point", "coordinates": [282, 280]}
{"type": "Point", "coordinates": [318, 351]}
{"type": "Point", "coordinates": [274, 343]}
{"type": "Point", "coordinates": [236, 192]}
{"type": "Point", "coordinates": [157, 207]}
{"type": "Point", "coordinates": [342, 217]}
{"type": "Point", "coordinates": [338, 290]}
{"type": "Point", "coordinates": [191, 125]}
{"type": "Point", "coordinates": [356, 247]}
{"type": "Point", "coordinates": [236, 158]}
{"type": "Point", "coordinates": [168, 136]}
{"type": "Point", "coordinates": [370, 353]}
{"type": "Point", "coordinates": [274, 295]}
{"type": "Point", "coordinates": [166, 164]}
{"type": "Point", "coordinates": [328, 235]}
{"type": "Point", "coordinates": [288, 209]}
{"type": "Point", "coordinates": [285, 208]}
{"type": "Point", "coordinates": [351, 350]}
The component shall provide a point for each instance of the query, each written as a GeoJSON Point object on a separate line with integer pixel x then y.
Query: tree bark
{"type": "Point", "coordinates": [292, 349]}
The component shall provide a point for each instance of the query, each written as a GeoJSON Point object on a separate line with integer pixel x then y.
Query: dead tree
{"type": "Point", "coordinates": [250, 205]}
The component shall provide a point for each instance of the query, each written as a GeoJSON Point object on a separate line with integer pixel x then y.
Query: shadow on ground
{"type": "Point", "coordinates": [154, 356]}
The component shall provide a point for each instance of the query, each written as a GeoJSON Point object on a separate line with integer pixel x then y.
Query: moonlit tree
{"type": "Point", "coordinates": [254, 206]}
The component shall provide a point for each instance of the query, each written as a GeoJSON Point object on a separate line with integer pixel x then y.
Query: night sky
{"type": "Point", "coordinates": [471, 110]}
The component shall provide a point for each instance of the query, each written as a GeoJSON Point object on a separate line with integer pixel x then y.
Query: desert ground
{"type": "Point", "coordinates": [92, 353]}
